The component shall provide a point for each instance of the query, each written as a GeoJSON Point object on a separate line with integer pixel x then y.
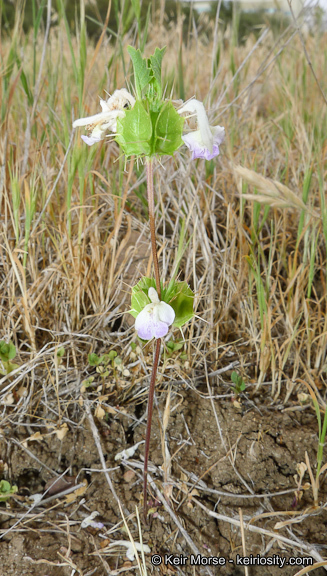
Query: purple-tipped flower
{"type": "Point", "coordinates": [204, 142]}
{"type": "Point", "coordinates": [155, 318]}
{"type": "Point", "coordinates": [106, 121]}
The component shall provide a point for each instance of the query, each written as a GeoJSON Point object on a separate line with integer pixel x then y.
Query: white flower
{"type": "Point", "coordinates": [155, 318]}
{"type": "Point", "coordinates": [204, 142]}
{"type": "Point", "coordinates": [106, 121]}
{"type": "Point", "coordinates": [129, 452]}
{"type": "Point", "coordinates": [131, 547]}
{"type": "Point", "coordinates": [89, 521]}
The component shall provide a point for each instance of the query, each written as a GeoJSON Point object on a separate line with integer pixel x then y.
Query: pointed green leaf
{"type": "Point", "coordinates": [94, 359]}
{"type": "Point", "coordinates": [141, 71]}
{"type": "Point", "coordinates": [234, 377]}
{"type": "Point", "coordinates": [155, 62]}
{"type": "Point", "coordinates": [137, 8]}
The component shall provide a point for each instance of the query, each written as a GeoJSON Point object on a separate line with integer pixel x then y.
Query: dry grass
{"type": "Point", "coordinates": [72, 247]}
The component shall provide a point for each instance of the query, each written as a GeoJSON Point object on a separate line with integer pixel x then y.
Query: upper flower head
{"type": "Point", "coordinates": [106, 121]}
{"type": "Point", "coordinates": [155, 318]}
{"type": "Point", "coordinates": [204, 142]}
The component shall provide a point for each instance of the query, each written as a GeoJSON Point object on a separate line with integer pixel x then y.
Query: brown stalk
{"type": "Point", "coordinates": [148, 426]}
{"type": "Point", "coordinates": [150, 191]}
{"type": "Point", "coordinates": [149, 180]}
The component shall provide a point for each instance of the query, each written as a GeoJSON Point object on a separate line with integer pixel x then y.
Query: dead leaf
{"type": "Point", "coordinates": [111, 410]}
{"type": "Point", "coordinates": [61, 433]}
{"type": "Point", "coordinates": [77, 493]}
{"type": "Point", "coordinates": [8, 400]}
{"type": "Point", "coordinates": [99, 412]}
{"type": "Point", "coordinates": [36, 436]}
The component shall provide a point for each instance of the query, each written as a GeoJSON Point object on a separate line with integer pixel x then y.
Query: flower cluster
{"type": "Point", "coordinates": [148, 125]}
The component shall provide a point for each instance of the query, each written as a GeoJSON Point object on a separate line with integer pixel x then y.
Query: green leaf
{"type": "Point", "coordinates": [238, 381]}
{"type": "Point", "coordinates": [182, 303]}
{"type": "Point", "coordinates": [134, 131]}
{"type": "Point", "coordinates": [60, 352]}
{"type": "Point", "coordinates": [6, 490]}
{"type": "Point", "coordinates": [94, 359]}
{"type": "Point", "coordinates": [142, 73]}
{"type": "Point", "coordinates": [10, 366]}
{"type": "Point", "coordinates": [88, 382]}
{"type": "Point", "coordinates": [174, 346]}
{"type": "Point", "coordinates": [155, 62]}
{"type": "Point", "coordinates": [234, 377]}
{"type": "Point", "coordinates": [137, 8]}
{"type": "Point", "coordinates": [168, 130]}
{"type": "Point", "coordinates": [140, 295]}
{"type": "Point", "coordinates": [26, 88]}
{"type": "Point", "coordinates": [7, 351]}
{"type": "Point", "coordinates": [5, 487]}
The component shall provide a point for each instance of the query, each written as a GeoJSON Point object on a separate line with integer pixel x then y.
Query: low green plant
{"type": "Point", "coordinates": [7, 353]}
{"type": "Point", "coordinates": [6, 490]}
{"type": "Point", "coordinates": [102, 364]}
{"type": "Point", "coordinates": [239, 384]}
{"type": "Point", "coordinates": [174, 346]}
{"type": "Point", "coordinates": [322, 431]}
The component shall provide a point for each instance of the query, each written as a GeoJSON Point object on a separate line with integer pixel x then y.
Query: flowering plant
{"type": "Point", "coordinates": [147, 125]}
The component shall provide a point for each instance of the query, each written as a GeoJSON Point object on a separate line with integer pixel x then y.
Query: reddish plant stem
{"type": "Point", "coordinates": [150, 191]}
{"type": "Point", "coordinates": [148, 426]}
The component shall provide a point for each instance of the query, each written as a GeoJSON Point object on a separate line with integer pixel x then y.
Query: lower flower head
{"type": "Point", "coordinates": [155, 318]}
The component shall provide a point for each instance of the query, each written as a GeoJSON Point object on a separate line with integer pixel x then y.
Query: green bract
{"type": "Point", "coordinates": [152, 126]}
{"type": "Point", "coordinates": [134, 131]}
{"type": "Point", "coordinates": [178, 295]}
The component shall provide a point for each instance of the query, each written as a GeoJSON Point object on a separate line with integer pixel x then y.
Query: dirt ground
{"type": "Point", "coordinates": [256, 453]}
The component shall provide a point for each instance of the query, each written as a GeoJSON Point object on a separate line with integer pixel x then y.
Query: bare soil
{"type": "Point", "coordinates": [264, 441]}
